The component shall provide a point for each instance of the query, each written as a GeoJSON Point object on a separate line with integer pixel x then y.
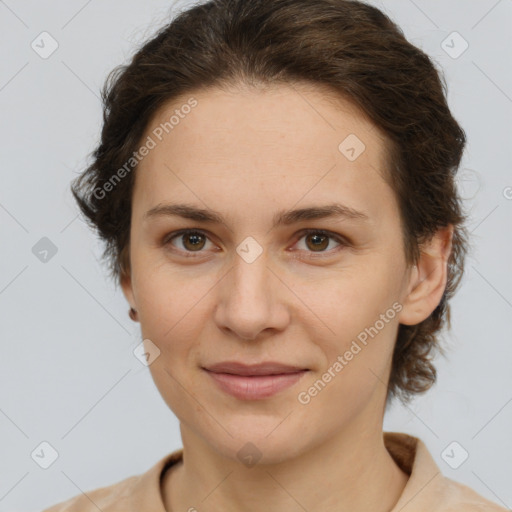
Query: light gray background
{"type": "Point", "coordinates": [68, 375]}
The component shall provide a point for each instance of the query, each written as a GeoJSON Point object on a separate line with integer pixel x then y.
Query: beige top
{"type": "Point", "coordinates": [427, 489]}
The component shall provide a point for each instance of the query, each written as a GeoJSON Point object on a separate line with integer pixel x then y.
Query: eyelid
{"type": "Point", "coordinates": [340, 239]}
{"type": "Point", "coordinates": [186, 231]}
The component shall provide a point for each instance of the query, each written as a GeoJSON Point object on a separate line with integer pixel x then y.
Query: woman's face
{"type": "Point", "coordinates": [250, 290]}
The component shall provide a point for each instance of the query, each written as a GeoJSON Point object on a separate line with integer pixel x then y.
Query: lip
{"type": "Point", "coordinates": [255, 387]}
{"type": "Point", "coordinates": [264, 368]}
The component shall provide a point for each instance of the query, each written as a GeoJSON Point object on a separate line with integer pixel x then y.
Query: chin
{"type": "Point", "coordinates": [259, 441]}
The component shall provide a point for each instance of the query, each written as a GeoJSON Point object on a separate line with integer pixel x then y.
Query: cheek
{"type": "Point", "coordinates": [354, 298]}
{"type": "Point", "coordinates": [168, 295]}
{"type": "Point", "coordinates": [357, 356]}
{"type": "Point", "coordinates": [359, 318]}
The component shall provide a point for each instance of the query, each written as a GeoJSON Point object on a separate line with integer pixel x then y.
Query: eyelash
{"type": "Point", "coordinates": [191, 254]}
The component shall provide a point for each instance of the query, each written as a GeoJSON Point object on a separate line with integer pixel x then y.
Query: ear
{"type": "Point", "coordinates": [428, 278]}
{"type": "Point", "coordinates": [126, 285]}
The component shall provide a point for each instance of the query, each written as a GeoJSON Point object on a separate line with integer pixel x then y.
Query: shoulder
{"type": "Point", "coordinates": [428, 488]}
{"type": "Point", "coordinates": [457, 497]}
{"type": "Point", "coordinates": [104, 498]}
{"type": "Point", "coordinates": [139, 492]}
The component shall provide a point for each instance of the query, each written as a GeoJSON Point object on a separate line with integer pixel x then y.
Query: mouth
{"type": "Point", "coordinates": [254, 370]}
{"type": "Point", "coordinates": [255, 386]}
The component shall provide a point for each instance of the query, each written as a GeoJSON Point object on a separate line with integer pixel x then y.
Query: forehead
{"type": "Point", "coordinates": [289, 143]}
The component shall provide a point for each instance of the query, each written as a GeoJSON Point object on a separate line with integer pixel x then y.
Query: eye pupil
{"type": "Point", "coordinates": [196, 240]}
{"type": "Point", "coordinates": [319, 243]}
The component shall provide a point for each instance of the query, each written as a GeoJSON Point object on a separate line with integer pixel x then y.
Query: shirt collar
{"type": "Point", "coordinates": [426, 489]}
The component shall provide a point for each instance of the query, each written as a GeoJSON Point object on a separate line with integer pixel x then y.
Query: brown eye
{"type": "Point", "coordinates": [190, 241]}
{"type": "Point", "coordinates": [193, 241]}
{"type": "Point", "coordinates": [317, 241]}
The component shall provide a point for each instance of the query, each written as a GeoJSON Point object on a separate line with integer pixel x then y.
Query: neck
{"type": "Point", "coordinates": [351, 471]}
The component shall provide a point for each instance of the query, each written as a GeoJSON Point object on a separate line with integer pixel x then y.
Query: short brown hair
{"type": "Point", "coordinates": [350, 47]}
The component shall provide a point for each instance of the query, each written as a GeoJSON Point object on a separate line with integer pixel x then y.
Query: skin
{"type": "Point", "coordinates": [248, 154]}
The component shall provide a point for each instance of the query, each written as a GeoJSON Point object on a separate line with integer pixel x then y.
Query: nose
{"type": "Point", "coordinates": [252, 299]}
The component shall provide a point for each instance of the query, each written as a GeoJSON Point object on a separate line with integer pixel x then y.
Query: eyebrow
{"type": "Point", "coordinates": [282, 218]}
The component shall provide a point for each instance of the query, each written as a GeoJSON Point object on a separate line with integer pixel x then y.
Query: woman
{"type": "Point", "coordinates": [275, 188]}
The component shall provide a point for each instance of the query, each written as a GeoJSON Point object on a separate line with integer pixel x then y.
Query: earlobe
{"type": "Point", "coordinates": [428, 279]}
